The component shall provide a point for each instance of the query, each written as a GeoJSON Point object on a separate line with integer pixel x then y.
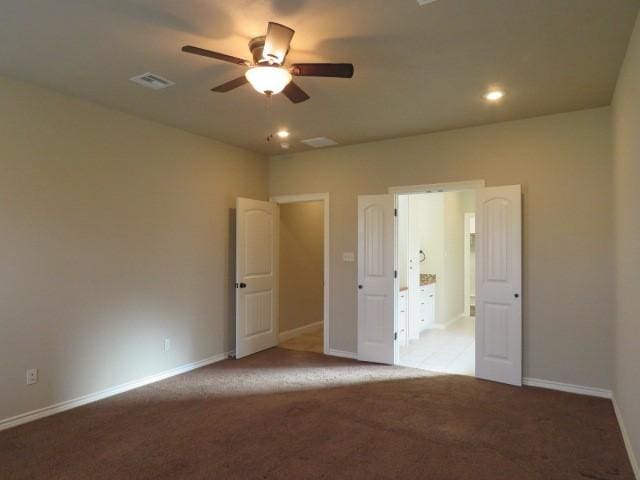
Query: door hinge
{"type": "Point", "coordinates": [395, 274]}
{"type": "Point", "coordinates": [395, 335]}
{"type": "Point", "coordinates": [395, 212]}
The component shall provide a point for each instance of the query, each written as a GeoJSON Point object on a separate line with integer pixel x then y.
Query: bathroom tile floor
{"type": "Point", "coordinates": [450, 350]}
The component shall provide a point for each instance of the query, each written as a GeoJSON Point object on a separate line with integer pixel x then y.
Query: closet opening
{"type": "Point", "coordinates": [303, 272]}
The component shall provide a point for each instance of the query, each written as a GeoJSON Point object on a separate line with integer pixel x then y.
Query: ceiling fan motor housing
{"type": "Point", "coordinates": [256, 46]}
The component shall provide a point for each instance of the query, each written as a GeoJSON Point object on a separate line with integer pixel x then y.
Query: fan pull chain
{"type": "Point", "coordinates": [269, 115]}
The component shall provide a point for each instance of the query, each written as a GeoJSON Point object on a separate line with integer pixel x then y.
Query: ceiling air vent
{"type": "Point", "coordinates": [151, 80]}
{"type": "Point", "coordinates": [319, 142]}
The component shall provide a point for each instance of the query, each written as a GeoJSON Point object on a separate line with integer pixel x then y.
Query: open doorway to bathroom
{"type": "Point", "coordinates": [436, 278]}
{"type": "Point", "coordinates": [303, 270]}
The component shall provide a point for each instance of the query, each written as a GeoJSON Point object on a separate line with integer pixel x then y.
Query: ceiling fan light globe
{"type": "Point", "coordinates": [268, 80]}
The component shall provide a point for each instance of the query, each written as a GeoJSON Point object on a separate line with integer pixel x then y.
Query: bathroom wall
{"type": "Point", "coordinates": [403, 239]}
{"type": "Point", "coordinates": [451, 289]}
{"type": "Point", "coordinates": [427, 229]}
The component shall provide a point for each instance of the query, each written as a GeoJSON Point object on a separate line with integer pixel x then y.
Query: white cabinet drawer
{"type": "Point", "coordinates": [403, 326]}
{"type": "Point", "coordinates": [427, 305]}
{"type": "Point", "coordinates": [403, 318]}
{"type": "Point", "coordinates": [403, 301]}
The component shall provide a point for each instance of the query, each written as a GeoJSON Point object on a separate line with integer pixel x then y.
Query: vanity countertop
{"type": "Point", "coordinates": [427, 279]}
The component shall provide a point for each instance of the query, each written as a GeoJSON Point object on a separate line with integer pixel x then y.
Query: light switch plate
{"type": "Point", "coordinates": [348, 257]}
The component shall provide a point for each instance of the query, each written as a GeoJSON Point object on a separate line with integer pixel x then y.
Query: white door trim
{"type": "Point", "coordinates": [312, 197]}
{"type": "Point", "coordinates": [438, 187]}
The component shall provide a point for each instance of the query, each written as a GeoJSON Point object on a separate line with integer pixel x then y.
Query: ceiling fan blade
{"type": "Point", "coordinates": [230, 85]}
{"type": "Point", "coordinates": [211, 54]}
{"type": "Point", "coordinates": [294, 93]}
{"type": "Point", "coordinates": [276, 43]}
{"type": "Point", "coordinates": [339, 70]}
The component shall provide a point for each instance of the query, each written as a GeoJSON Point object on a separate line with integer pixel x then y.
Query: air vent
{"type": "Point", "coordinates": [319, 142]}
{"type": "Point", "coordinates": [425, 2]}
{"type": "Point", "coordinates": [151, 80]}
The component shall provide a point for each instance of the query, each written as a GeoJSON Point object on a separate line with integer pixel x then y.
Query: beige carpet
{"type": "Point", "coordinates": [298, 415]}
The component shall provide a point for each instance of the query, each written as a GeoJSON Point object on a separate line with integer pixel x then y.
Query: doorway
{"type": "Point", "coordinates": [498, 298]}
{"type": "Point", "coordinates": [257, 281]}
{"type": "Point", "coordinates": [303, 272]}
{"type": "Point", "coordinates": [435, 329]}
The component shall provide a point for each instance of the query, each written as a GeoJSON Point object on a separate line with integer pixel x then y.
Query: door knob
{"type": "Point", "coordinates": [242, 285]}
{"type": "Point", "coordinates": [360, 287]}
{"type": "Point", "coordinates": [516, 295]}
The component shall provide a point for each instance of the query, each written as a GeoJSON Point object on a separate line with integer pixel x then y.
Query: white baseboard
{"type": "Point", "coordinates": [567, 387]}
{"type": "Point", "coordinates": [108, 392]}
{"type": "Point", "coordinates": [287, 334]}
{"type": "Point", "coordinates": [342, 353]}
{"type": "Point", "coordinates": [635, 466]}
{"type": "Point", "coordinates": [447, 324]}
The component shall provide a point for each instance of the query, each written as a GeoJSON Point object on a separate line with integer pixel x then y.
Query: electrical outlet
{"type": "Point", "coordinates": [32, 376]}
{"type": "Point", "coordinates": [348, 257]}
{"type": "Point", "coordinates": [167, 344]}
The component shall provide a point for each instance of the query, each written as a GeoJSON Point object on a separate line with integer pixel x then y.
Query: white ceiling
{"type": "Point", "coordinates": [418, 68]}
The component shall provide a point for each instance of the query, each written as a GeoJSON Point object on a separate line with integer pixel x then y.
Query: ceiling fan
{"type": "Point", "coordinates": [267, 73]}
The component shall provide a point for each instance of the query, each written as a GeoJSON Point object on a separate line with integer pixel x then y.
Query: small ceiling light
{"type": "Point", "coordinates": [268, 80]}
{"type": "Point", "coordinates": [283, 134]}
{"type": "Point", "coordinates": [494, 95]}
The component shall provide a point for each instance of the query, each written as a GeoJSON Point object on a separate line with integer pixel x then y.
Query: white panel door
{"type": "Point", "coordinates": [499, 284]}
{"type": "Point", "coordinates": [376, 322]}
{"type": "Point", "coordinates": [256, 276]}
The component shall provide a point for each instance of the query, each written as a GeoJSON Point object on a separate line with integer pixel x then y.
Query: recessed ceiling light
{"type": "Point", "coordinates": [283, 133]}
{"type": "Point", "coordinates": [494, 95]}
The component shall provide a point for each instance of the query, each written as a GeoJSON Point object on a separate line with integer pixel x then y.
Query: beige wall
{"type": "Point", "coordinates": [403, 241]}
{"type": "Point", "coordinates": [564, 164]}
{"type": "Point", "coordinates": [301, 264]}
{"type": "Point", "coordinates": [453, 279]}
{"type": "Point", "coordinates": [427, 232]}
{"type": "Point", "coordinates": [115, 235]}
{"type": "Point", "coordinates": [626, 134]}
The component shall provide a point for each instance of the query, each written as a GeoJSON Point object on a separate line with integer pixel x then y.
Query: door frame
{"type": "Point", "coordinates": [325, 198]}
{"type": "Point", "coordinates": [437, 187]}
{"type": "Point", "coordinates": [417, 189]}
